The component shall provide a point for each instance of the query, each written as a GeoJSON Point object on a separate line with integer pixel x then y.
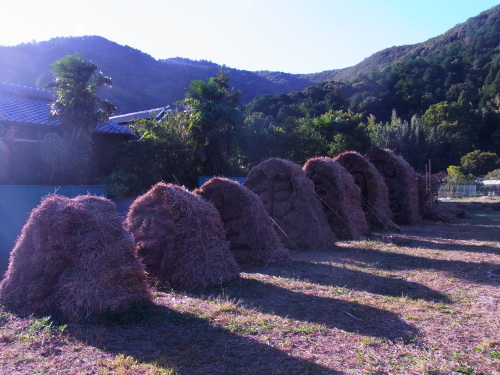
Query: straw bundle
{"type": "Point", "coordinates": [401, 180]}
{"type": "Point", "coordinates": [340, 197]}
{"type": "Point", "coordinates": [374, 193]}
{"type": "Point", "coordinates": [180, 238]}
{"type": "Point", "coordinates": [289, 198]}
{"type": "Point", "coordinates": [74, 260]}
{"type": "Point", "coordinates": [249, 229]}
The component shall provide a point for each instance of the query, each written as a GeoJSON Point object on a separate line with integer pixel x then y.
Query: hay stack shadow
{"type": "Point", "coordinates": [333, 313]}
{"type": "Point", "coordinates": [73, 260]}
{"type": "Point", "coordinates": [289, 198]}
{"type": "Point", "coordinates": [180, 238]}
{"type": "Point", "coordinates": [329, 275]}
{"type": "Point", "coordinates": [340, 197]}
{"type": "Point", "coordinates": [249, 229]}
{"type": "Point", "coordinates": [193, 346]}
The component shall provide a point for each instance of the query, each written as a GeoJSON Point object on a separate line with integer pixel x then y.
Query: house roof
{"type": "Point", "coordinates": [31, 106]}
{"type": "Point", "coordinates": [128, 118]}
{"type": "Point", "coordinates": [491, 182]}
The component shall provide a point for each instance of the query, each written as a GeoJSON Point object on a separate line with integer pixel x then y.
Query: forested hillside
{"type": "Point", "coordinates": [462, 55]}
{"type": "Point", "coordinates": [481, 30]}
{"type": "Point", "coordinates": [438, 100]}
{"type": "Point", "coordinates": [463, 61]}
{"type": "Point", "coordinates": [139, 81]}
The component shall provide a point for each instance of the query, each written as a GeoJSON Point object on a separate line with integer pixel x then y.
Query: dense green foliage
{"type": "Point", "coordinates": [213, 116]}
{"type": "Point", "coordinates": [163, 153]}
{"type": "Point", "coordinates": [493, 175]}
{"type": "Point", "coordinates": [478, 164]}
{"type": "Point", "coordinates": [77, 106]}
{"type": "Point", "coordinates": [446, 93]}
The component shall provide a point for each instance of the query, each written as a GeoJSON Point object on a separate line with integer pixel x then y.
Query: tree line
{"type": "Point", "coordinates": [211, 133]}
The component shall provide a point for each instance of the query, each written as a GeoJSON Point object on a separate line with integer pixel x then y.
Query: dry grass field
{"type": "Point", "coordinates": [419, 301]}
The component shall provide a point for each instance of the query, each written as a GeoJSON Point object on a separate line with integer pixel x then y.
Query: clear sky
{"type": "Point", "coordinates": [293, 36]}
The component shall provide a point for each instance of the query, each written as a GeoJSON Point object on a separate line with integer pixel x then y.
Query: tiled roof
{"type": "Point", "coordinates": [31, 106]}
{"type": "Point", "coordinates": [113, 127]}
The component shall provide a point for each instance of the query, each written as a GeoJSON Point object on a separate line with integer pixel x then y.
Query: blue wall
{"type": "Point", "coordinates": [17, 202]}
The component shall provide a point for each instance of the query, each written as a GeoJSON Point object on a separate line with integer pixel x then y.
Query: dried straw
{"type": "Point", "coordinates": [249, 229]}
{"type": "Point", "coordinates": [428, 189]}
{"type": "Point", "coordinates": [401, 180]}
{"type": "Point", "coordinates": [374, 193]}
{"type": "Point", "coordinates": [289, 198]}
{"type": "Point", "coordinates": [340, 197]}
{"type": "Point", "coordinates": [180, 238]}
{"type": "Point", "coordinates": [75, 261]}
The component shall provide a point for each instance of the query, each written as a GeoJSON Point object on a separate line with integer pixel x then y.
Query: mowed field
{"type": "Point", "coordinates": [424, 300]}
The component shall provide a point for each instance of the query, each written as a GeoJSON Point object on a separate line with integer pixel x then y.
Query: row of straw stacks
{"type": "Point", "coordinates": [75, 258]}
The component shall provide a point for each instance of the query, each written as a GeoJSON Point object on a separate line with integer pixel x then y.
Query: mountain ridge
{"type": "Point", "coordinates": [141, 82]}
{"type": "Point", "coordinates": [393, 55]}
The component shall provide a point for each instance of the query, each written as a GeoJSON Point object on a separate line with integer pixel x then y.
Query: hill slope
{"type": "Point", "coordinates": [474, 30]}
{"type": "Point", "coordinates": [461, 65]}
{"type": "Point", "coordinates": [139, 81]}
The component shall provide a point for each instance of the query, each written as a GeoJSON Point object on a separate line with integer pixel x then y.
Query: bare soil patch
{"type": "Point", "coordinates": [419, 301]}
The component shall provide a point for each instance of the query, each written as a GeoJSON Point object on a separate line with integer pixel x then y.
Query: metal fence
{"type": "Point", "coordinates": [457, 190]}
{"type": "Point", "coordinates": [17, 202]}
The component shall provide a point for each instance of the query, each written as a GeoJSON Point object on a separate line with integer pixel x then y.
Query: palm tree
{"type": "Point", "coordinates": [214, 115]}
{"type": "Point", "coordinates": [79, 109]}
{"type": "Point", "coordinates": [77, 105]}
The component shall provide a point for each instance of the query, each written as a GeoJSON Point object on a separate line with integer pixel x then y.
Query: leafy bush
{"type": "Point", "coordinates": [119, 184]}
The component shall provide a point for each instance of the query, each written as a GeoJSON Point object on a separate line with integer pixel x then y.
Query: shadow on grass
{"type": "Point", "coordinates": [483, 226]}
{"type": "Point", "coordinates": [471, 271]}
{"type": "Point", "coordinates": [417, 242]}
{"type": "Point", "coordinates": [164, 336]}
{"type": "Point", "coordinates": [333, 313]}
{"type": "Point", "coordinates": [328, 275]}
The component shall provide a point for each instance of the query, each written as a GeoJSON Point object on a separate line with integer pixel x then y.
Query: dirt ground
{"type": "Point", "coordinates": [423, 300]}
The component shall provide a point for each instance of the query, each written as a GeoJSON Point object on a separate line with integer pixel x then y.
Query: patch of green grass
{"type": "Point", "coordinates": [235, 327]}
{"type": "Point", "coordinates": [45, 325]}
{"type": "Point", "coordinates": [265, 325]}
{"type": "Point", "coordinates": [407, 357]}
{"type": "Point", "coordinates": [445, 311]}
{"type": "Point", "coordinates": [365, 357]}
{"type": "Point", "coordinates": [226, 305]}
{"type": "Point", "coordinates": [369, 341]}
{"type": "Point", "coordinates": [338, 290]}
{"type": "Point", "coordinates": [490, 244]}
{"type": "Point", "coordinates": [123, 365]}
{"type": "Point", "coordinates": [495, 354]}
{"type": "Point", "coordinates": [4, 317]}
{"type": "Point", "coordinates": [456, 355]}
{"type": "Point", "coordinates": [465, 368]}
{"type": "Point", "coordinates": [305, 330]}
